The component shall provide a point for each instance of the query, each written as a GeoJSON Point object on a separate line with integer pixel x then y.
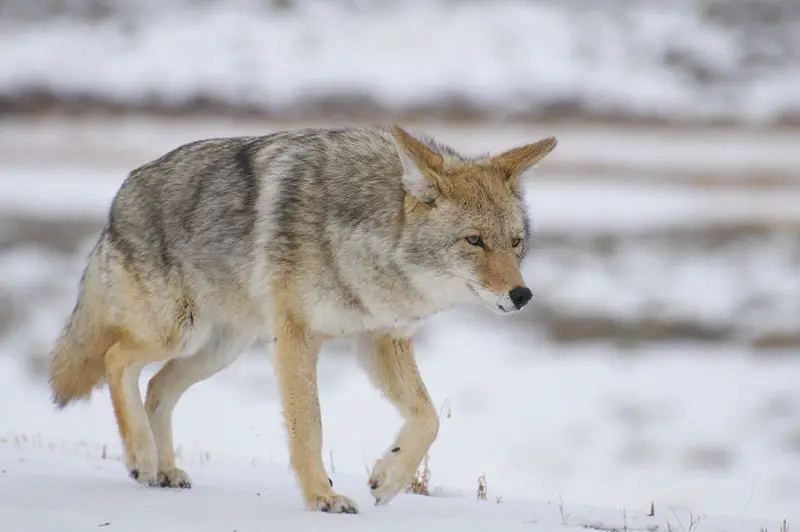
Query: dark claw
{"type": "Point", "coordinates": [329, 480]}
{"type": "Point", "coordinates": [135, 474]}
{"type": "Point", "coordinates": [326, 507]}
{"type": "Point", "coordinates": [185, 485]}
{"type": "Point", "coordinates": [396, 450]}
{"type": "Point", "coordinates": [350, 510]}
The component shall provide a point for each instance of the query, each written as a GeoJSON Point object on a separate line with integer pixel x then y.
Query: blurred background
{"type": "Point", "coordinates": [659, 359]}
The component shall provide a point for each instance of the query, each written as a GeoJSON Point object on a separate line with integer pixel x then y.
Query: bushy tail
{"type": "Point", "coordinates": [77, 363]}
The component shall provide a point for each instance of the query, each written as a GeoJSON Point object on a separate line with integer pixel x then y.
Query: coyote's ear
{"type": "Point", "coordinates": [422, 167]}
{"type": "Point", "coordinates": [517, 161]}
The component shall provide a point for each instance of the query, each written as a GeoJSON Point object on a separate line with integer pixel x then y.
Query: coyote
{"type": "Point", "coordinates": [296, 238]}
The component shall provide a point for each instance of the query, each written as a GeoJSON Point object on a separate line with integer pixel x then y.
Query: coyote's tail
{"type": "Point", "coordinates": [77, 363]}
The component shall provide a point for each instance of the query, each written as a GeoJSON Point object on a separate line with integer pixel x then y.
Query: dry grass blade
{"type": "Point", "coordinates": [419, 484]}
{"type": "Point", "coordinates": [482, 491]}
{"type": "Point", "coordinates": [564, 515]}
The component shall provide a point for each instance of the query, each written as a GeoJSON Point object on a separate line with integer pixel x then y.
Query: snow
{"type": "Point", "coordinates": [544, 431]}
{"type": "Point", "coordinates": [587, 430]}
{"type": "Point", "coordinates": [85, 493]}
{"type": "Point", "coordinates": [507, 56]}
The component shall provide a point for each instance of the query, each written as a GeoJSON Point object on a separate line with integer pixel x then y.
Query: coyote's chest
{"type": "Point", "coordinates": [332, 317]}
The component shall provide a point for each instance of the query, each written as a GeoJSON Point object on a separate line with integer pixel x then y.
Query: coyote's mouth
{"type": "Point", "coordinates": [492, 301]}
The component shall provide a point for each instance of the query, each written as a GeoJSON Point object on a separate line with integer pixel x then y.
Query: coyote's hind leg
{"type": "Point", "coordinates": [123, 366]}
{"type": "Point", "coordinates": [171, 382]}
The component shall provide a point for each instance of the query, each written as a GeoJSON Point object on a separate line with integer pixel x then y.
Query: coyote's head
{"type": "Point", "coordinates": [466, 229]}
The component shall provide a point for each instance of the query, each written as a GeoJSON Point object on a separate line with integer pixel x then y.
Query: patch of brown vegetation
{"type": "Point", "coordinates": [561, 327]}
{"type": "Point", "coordinates": [353, 106]}
{"type": "Point", "coordinates": [777, 340]}
{"type": "Point", "coordinates": [419, 484]}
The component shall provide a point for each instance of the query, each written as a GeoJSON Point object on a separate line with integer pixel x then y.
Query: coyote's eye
{"type": "Point", "coordinates": [516, 242]}
{"type": "Point", "coordinates": [475, 241]}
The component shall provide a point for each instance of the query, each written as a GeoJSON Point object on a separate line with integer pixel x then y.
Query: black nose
{"type": "Point", "coordinates": [520, 296]}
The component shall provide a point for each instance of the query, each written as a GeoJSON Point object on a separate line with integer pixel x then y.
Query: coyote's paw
{"type": "Point", "coordinates": [141, 461]}
{"type": "Point", "coordinates": [148, 477]}
{"type": "Point", "coordinates": [174, 478]}
{"type": "Point", "coordinates": [391, 474]}
{"type": "Point", "coordinates": [333, 503]}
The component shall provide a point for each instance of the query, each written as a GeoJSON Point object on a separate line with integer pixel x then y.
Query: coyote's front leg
{"type": "Point", "coordinates": [296, 356]}
{"type": "Point", "coordinates": [393, 369]}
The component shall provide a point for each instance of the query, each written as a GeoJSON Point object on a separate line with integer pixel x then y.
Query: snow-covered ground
{"type": "Point", "coordinates": [589, 429]}
{"type": "Point", "coordinates": [704, 431]}
{"type": "Point", "coordinates": [680, 60]}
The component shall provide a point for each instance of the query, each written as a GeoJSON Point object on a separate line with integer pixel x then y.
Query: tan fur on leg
{"type": "Point", "coordinates": [296, 367]}
{"type": "Point", "coordinates": [394, 371]}
{"type": "Point", "coordinates": [123, 366]}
